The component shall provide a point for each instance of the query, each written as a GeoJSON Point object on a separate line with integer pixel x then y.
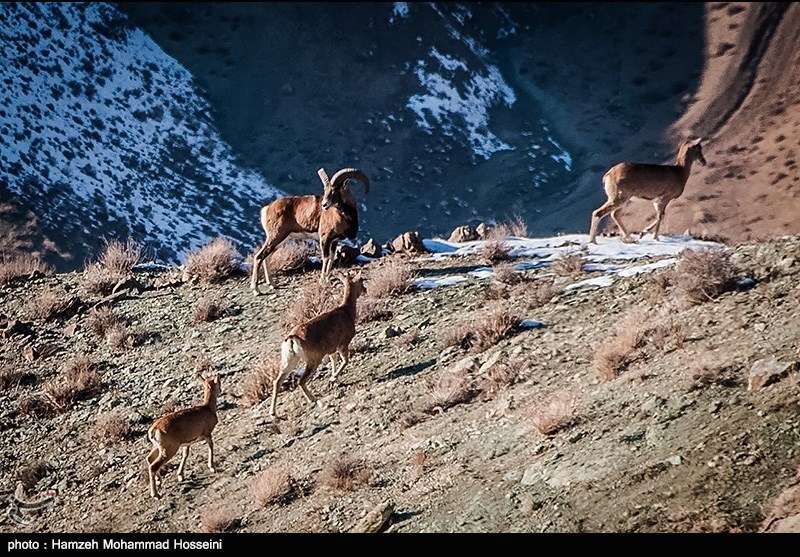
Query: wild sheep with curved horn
{"type": "Point", "coordinates": [328, 218]}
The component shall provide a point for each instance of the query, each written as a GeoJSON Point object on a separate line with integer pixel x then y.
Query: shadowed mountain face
{"type": "Point", "coordinates": [173, 123]}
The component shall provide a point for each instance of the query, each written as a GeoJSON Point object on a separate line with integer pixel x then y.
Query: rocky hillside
{"type": "Point", "coordinates": [648, 387]}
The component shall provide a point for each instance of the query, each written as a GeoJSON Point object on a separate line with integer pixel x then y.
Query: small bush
{"type": "Point", "coordinates": [568, 264]}
{"type": "Point", "coordinates": [106, 324]}
{"type": "Point", "coordinates": [209, 309]}
{"type": "Point", "coordinates": [393, 277]}
{"type": "Point", "coordinates": [515, 227]}
{"type": "Point", "coordinates": [80, 380]}
{"type": "Point", "coordinates": [31, 474]}
{"type": "Point", "coordinates": [449, 390]}
{"type": "Point", "coordinates": [506, 274]}
{"type": "Point", "coordinates": [344, 473]}
{"type": "Point", "coordinates": [412, 418]}
{"type": "Point", "coordinates": [553, 415]}
{"type": "Point", "coordinates": [499, 377]}
{"type": "Point", "coordinates": [273, 486]}
{"type": "Point", "coordinates": [258, 386]}
{"type": "Point", "coordinates": [407, 340]}
{"type": "Point", "coordinates": [21, 265]}
{"type": "Point", "coordinates": [112, 428]}
{"type": "Point", "coordinates": [10, 377]}
{"type": "Point", "coordinates": [121, 257]}
{"type": "Point", "coordinates": [219, 518]}
{"type": "Point", "coordinates": [480, 333]}
{"type": "Point", "coordinates": [418, 458]}
{"type": "Point", "coordinates": [703, 275]}
{"type": "Point", "coordinates": [373, 310]}
{"type": "Point", "coordinates": [43, 307]}
{"type": "Point", "coordinates": [359, 345]}
{"type": "Point", "coordinates": [213, 262]}
{"type": "Point", "coordinates": [495, 250]}
{"type": "Point", "coordinates": [202, 364]}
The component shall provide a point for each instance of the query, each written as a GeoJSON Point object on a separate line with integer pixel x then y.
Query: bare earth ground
{"type": "Point", "coordinates": [675, 443]}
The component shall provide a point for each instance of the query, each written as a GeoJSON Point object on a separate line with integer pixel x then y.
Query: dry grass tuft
{"type": "Point", "coordinates": [495, 250]}
{"type": "Point", "coordinates": [359, 345]}
{"type": "Point", "coordinates": [23, 265]}
{"type": "Point", "coordinates": [214, 262]}
{"type": "Point", "coordinates": [418, 459]}
{"type": "Point", "coordinates": [703, 275]}
{"type": "Point", "coordinates": [554, 414]}
{"type": "Point", "coordinates": [258, 386]}
{"type": "Point", "coordinates": [500, 376]}
{"type": "Point", "coordinates": [480, 333]}
{"type": "Point", "coordinates": [506, 274]}
{"type": "Point", "coordinates": [345, 473]}
{"type": "Point", "coordinates": [106, 324]}
{"type": "Point", "coordinates": [449, 390]}
{"type": "Point", "coordinates": [10, 377]}
{"type": "Point", "coordinates": [514, 227]}
{"type": "Point", "coordinates": [392, 277]}
{"type": "Point", "coordinates": [31, 474]}
{"type": "Point", "coordinates": [568, 264]}
{"type": "Point", "coordinates": [202, 364]}
{"type": "Point", "coordinates": [208, 309]}
{"type": "Point", "coordinates": [112, 428]}
{"type": "Point", "coordinates": [80, 380]}
{"type": "Point", "coordinates": [114, 265]}
{"type": "Point", "coordinates": [273, 486]}
{"type": "Point", "coordinates": [217, 517]}
{"type": "Point", "coordinates": [43, 307]}
{"type": "Point", "coordinates": [312, 300]}
{"type": "Point", "coordinates": [412, 418]}
{"type": "Point", "coordinates": [373, 310]}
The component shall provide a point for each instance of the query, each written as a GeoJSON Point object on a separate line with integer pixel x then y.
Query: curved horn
{"type": "Point", "coordinates": [324, 177]}
{"type": "Point", "coordinates": [348, 173]}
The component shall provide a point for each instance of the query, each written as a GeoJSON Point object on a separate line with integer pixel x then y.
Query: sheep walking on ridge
{"type": "Point", "coordinates": [656, 182]}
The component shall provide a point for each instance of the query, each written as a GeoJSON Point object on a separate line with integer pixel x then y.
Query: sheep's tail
{"type": "Point", "coordinates": [291, 352]}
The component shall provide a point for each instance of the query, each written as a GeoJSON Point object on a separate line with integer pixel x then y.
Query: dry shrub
{"type": "Point", "coordinates": [506, 274]}
{"type": "Point", "coordinates": [568, 264]}
{"type": "Point", "coordinates": [112, 266]}
{"type": "Point", "coordinates": [482, 332]}
{"type": "Point", "coordinates": [637, 330]}
{"type": "Point", "coordinates": [704, 274]}
{"type": "Point", "coordinates": [495, 250]}
{"type": "Point", "coordinates": [291, 255]}
{"type": "Point", "coordinates": [533, 295]}
{"type": "Point", "coordinates": [21, 265]}
{"type": "Point", "coordinates": [80, 380]}
{"type": "Point", "coordinates": [704, 371]}
{"type": "Point", "coordinates": [449, 390]}
{"type": "Point", "coordinates": [618, 350]}
{"type": "Point", "coordinates": [32, 473]}
{"type": "Point", "coordinates": [273, 486]}
{"type": "Point", "coordinates": [418, 458]}
{"type": "Point", "coordinates": [202, 364]}
{"type": "Point", "coordinates": [43, 307]}
{"type": "Point", "coordinates": [407, 340]}
{"type": "Point", "coordinates": [359, 345]}
{"type": "Point", "coordinates": [105, 323]}
{"type": "Point", "coordinates": [111, 428]}
{"type": "Point", "coordinates": [513, 227]}
{"type": "Point", "coordinates": [170, 405]}
{"type": "Point", "coordinates": [219, 518]}
{"type": "Point", "coordinates": [34, 406]}
{"type": "Point", "coordinates": [312, 300]}
{"type": "Point", "coordinates": [213, 262]}
{"type": "Point", "coordinates": [412, 418]}
{"type": "Point", "coordinates": [209, 309]}
{"type": "Point", "coordinates": [121, 257]}
{"type": "Point", "coordinates": [499, 377]}
{"type": "Point", "coordinates": [10, 377]}
{"type": "Point", "coordinates": [373, 310]}
{"type": "Point", "coordinates": [345, 473]}
{"type": "Point", "coordinates": [258, 386]}
{"type": "Point", "coordinates": [392, 277]}
{"type": "Point", "coordinates": [554, 414]}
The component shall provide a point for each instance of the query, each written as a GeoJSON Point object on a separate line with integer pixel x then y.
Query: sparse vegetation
{"type": "Point", "coordinates": [43, 307]}
{"type": "Point", "coordinates": [106, 324]}
{"type": "Point", "coordinates": [373, 310]}
{"type": "Point", "coordinates": [702, 275]}
{"type": "Point", "coordinates": [291, 255]}
{"type": "Point", "coordinates": [112, 267]}
{"type": "Point", "coordinates": [553, 414]}
{"type": "Point", "coordinates": [10, 377]}
{"type": "Point", "coordinates": [514, 227]}
{"type": "Point", "coordinates": [80, 380]}
{"type": "Point", "coordinates": [208, 309]}
{"type": "Point", "coordinates": [481, 332]}
{"type": "Point", "coordinates": [213, 263]}
{"type": "Point", "coordinates": [16, 266]}
{"type": "Point", "coordinates": [500, 377]}
{"type": "Point", "coordinates": [32, 473]}
{"type": "Point", "coordinates": [219, 517]}
{"type": "Point", "coordinates": [344, 473]}
{"type": "Point", "coordinates": [392, 277]}
{"type": "Point", "coordinates": [273, 486]}
{"type": "Point", "coordinates": [112, 428]}
{"type": "Point", "coordinates": [448, 390]}
{"type": "Point", "coordinates": [569, 264]}
{"type": "Point", "coordinates": [258, 386]}
{"type": "Point", "coordinates": [495, 250]}
{"type": "Point", "coordinates": [407, 339]}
